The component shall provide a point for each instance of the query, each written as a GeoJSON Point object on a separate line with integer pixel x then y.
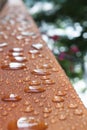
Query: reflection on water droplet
{"type": "Point", "coordinates": [27, 33]}
{"type": "Point", "coordinates": [78, 112]}
{"type": "Point", "coordinates": [13, 66]}
{"type": "Point", "coordinates": [3, 44]}
{"type": "Point", "coordinates": [34, 89]}
{"type": "Point", "coordinates": [11, 98]}
{"type": "Point", "coordinates": [40, 72]}
{"type": "Point", "coordinates": [45, 78]}
{"type": "Point", "coordinates": [58, 99]}
{"type": "Point", "coordinates": [27, 123]}
{"type": "Point", "coordinates": [37, 46]}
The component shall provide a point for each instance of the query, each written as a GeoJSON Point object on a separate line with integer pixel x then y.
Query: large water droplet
{"type": "Point", "coordinates": [58, 99]}
{"type": "Point", "coordinates": [14, 54]}
{"type": "Point", "coordinates": [37, 46]}
{"type": "Point", "coordinates": [19, 59]}
{"type": "Point", "coordinates": [11, 98]}
{"type": "Point", "coordinates": [27, 123]}
{"type": "Point", "coordinates": [16, 50]}
{"type": "Point", "coordinates": [40, 72]}
{"type": "Point", "coordinates": [3, 44]}
{"type": "Point", "coordinates": [13, 66]}
{"type": "Point", "coordinates": [34, 89]}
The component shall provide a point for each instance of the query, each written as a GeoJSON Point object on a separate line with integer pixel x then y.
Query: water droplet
{"type": "Point", "coordinates": [19, 59]}
{"type": "Point", "coordinates": [47, 110]}
{"type": "Point", "coordinates": [48, 82]}
{"type": "Point", "coordinates": [28, 109]}
{"type": "Point", "coordinates": [3, 44]}
{"type": "Point", "coordinates": [34, 89]}
{"type": "Point", "coordinates": [78, 112]}
{"type": "Point", "coordinates": [60, 105]}
{"type": "Point", "coordinates": [1, 49]}
{"type": "Point", "coordinates": [45, 78]}
{"type": "Point", "coordinates": [16, 50]}
{"type": "Point", "coordinates": [46, 66]}
{"type": "Point", "coordinates": [27, 123]}
{"type": "Point", "coordinates": [40, 72]}
{"type": "Point", "coordinates": [62, 117]}
{"type": "Point", "coordinates": [73, 105]}
{"type": "Point", "coordinates": [11, 98]}
{"type": "Point", "coordinates": [55, 70]}
{"type": "Point", "coordinates": [34, 82]}
{"type": "Point", "coordinates": [13, 105]}
{"type": "Point", "coordinates": [14, 54]}
{"type": "Point", "coordinates": [13, 66]}
{"type": "Point", "coordinates": [46, 115]}
{"type": "Point", "coordinates": [61, 93]}
{"type": "Point", "coordinates": [37, 46]}
{"type": "Point", "coordinates": [27, 33]}
{"type": "Point", "coordinates": [58, 99]}
{"type": "Point", "coordinates": [34, 52]}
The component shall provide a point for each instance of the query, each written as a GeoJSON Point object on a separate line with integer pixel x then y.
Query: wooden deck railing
{"type": "Point", "coordinates": [35, 93]}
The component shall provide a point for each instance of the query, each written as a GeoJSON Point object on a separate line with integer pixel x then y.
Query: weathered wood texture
{"type": "Point", "coordinates": [32, 83]}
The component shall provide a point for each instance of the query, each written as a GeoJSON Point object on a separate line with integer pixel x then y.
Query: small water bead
{"type": "Point", "coordinates": [34, 89]}
{"type": "Point", "coordinates": [34, 82]}
{"type": "Point", "coordinates": [62, 117]}
{"type": "Point", "coordinates": [19, 37]}
{"type": "Point", "coordinates": [11, 98]}
{"type": "Point", "coordinates": [40, 72]}
{"type": "Point", "coordinates": [28, 109]}
{"type": "Point", "coordinates": [3, 44]}
{"type": "Point", "coordinates": [27, 123]}
{"type": "Point", "coordinates": [58, 99]}
{"type": "Point", "coordinates": [16, 49]}
{"type": "Point", "coordinates": [37, 46]}
{"type": "Point", "coordinates": [61, 93]}
{"type": "Point", "coordinates": [46, 66]}
{"type": "Point", "coordinates": [13, 105]}
{"type": "Point", "coordinates": [73, 105]}
{"type": "Point", "coordinates": [78, 112]}
{"type": "Point", "coordinates": [59, 105]}
{"type": "Point", "coordinates": [47, 110]}
{"type": "Point", "coordinates": [13, 66]}
{"type": "Point", "coordinates": [48, 82]}
{"type": "Point", "coordinates": [45, 77]}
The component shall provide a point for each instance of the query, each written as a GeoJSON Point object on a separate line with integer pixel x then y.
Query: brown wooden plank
{"type": "Point", "coordinates": [44, 96]}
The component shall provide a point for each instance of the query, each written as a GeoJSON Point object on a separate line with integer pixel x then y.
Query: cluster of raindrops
{"type": "Point", "coordinates": [44, 71]}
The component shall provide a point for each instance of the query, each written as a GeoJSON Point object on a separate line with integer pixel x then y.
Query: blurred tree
{"type": "Point", "coordinates": [69, 17]}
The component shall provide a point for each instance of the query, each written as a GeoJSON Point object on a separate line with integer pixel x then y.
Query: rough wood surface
{"type": "Point", "coordinates": [35, 93]}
